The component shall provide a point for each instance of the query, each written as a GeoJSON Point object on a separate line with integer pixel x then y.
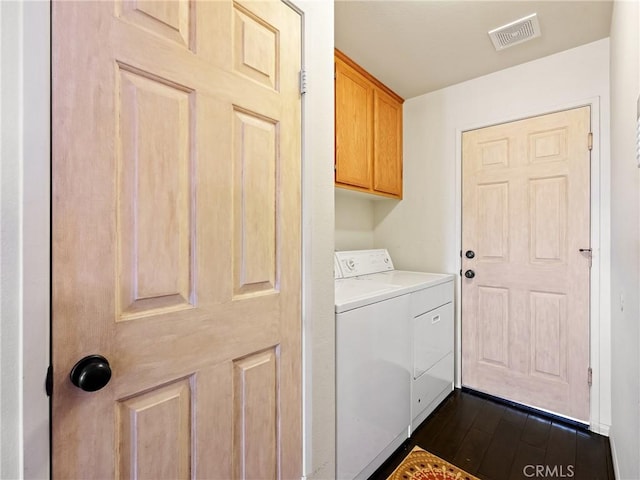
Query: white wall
{"type": "Point", "coordinates": [354, 223]}
{"type": "Point", "coordinates": [10, 214]}
{"type": "Point", "coordinates": [24, 339]}
{"type": "Point", "coordinates": [24, 188]}
{"type": "Point", "coordinates": [318, 243]}
{"type": "Point", "coordinates": [625, 241]}
{"type": "Point", "coordinates": [422, 231]}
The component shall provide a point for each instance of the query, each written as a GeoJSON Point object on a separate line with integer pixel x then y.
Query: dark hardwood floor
{"type": "Point", "coordinates": [494, 441]}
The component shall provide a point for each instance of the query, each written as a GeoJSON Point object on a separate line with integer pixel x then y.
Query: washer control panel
{"type": "Point", "coordinates": [337, 273]}
{"type": "Point", "coordinates": [353, 263]}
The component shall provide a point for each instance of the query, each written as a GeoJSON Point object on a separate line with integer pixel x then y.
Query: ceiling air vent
{"type": "Point", "coordinates": [516, 32]}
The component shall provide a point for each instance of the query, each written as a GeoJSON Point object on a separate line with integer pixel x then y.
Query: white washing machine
{"type": "Point", "coordinates": [389, 338]}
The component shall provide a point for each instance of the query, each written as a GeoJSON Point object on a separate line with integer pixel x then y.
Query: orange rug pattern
{"type": "Point", "coordinates": [422, 465]}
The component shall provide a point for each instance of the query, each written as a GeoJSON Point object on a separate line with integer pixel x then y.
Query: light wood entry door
{"type": "Point", "coordinates": [176, 238]}
{"type": "Point", "coordinates": [525, 313]}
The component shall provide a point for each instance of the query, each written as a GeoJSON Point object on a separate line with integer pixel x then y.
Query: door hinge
{"type": "Point", "coordinates": [303, 82]}
{"type": "Point", "coordinates": [48, 383]}
{"type": "Point", "coordinates": [590, 376]}
{"type": "Point", "coordinates": [590, 141]}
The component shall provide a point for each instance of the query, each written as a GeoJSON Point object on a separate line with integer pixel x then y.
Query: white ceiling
{"type": "Point", "coordinates": [418, 46]}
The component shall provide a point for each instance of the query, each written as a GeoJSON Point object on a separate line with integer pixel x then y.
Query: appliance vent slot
{"type": "Point", "coordinates": [513, 33]}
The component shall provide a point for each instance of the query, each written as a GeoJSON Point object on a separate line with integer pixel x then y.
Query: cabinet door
{"type": "Point", "coordinates": [353, 127]}
{"type": "Point", "coordinates": [432, 338]}
{"type": "Point", "coordinates": [387, 144]}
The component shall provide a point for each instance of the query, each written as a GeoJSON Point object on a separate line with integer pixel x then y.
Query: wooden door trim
{"type": "Point", "coordinates": [600, 350]}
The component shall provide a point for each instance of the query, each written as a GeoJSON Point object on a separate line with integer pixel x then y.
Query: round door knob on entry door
{"type": "Point", "coordinates": [470, 254]}
{"type": "Point", "coordinates": [91, 373]}
{"type": "Point", "coordinates": [469, 274]}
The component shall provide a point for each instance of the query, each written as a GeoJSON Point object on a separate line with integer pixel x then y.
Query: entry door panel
{"type": "Point", "coordinates": [525, 313]}
{"type": "Point", "coordinates": [176, 238]}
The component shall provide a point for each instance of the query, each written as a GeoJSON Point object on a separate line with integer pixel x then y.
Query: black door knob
{"type": "Point", "coordinates": [469, 274]}
{"type": "Point", "coordinates": [469, 254]}
{"type": "Point", "coordinates": [91, 373]}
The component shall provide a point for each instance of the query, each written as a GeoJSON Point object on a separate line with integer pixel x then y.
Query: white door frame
{"type": "Point", "coordinates": [600, 349]}
{"type": "Point", "coordinates": [25, 52]}
{"type": "Point", "coordinates": [25, 260]}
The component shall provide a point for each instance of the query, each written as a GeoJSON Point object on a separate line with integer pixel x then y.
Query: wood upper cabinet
{"type": "Point", "coordinates": [368, 122]}
{"type": "Point", "coordinates": [387, 143]}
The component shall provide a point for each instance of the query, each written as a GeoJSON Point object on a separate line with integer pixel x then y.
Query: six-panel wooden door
{"type": "Point", "coordinates": [525, 313]}
{"type": "Point", "coordinates": [176, 238]}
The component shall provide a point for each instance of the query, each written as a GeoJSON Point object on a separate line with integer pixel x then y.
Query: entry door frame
{"type": "Point", "coordinates": [599, 326]}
